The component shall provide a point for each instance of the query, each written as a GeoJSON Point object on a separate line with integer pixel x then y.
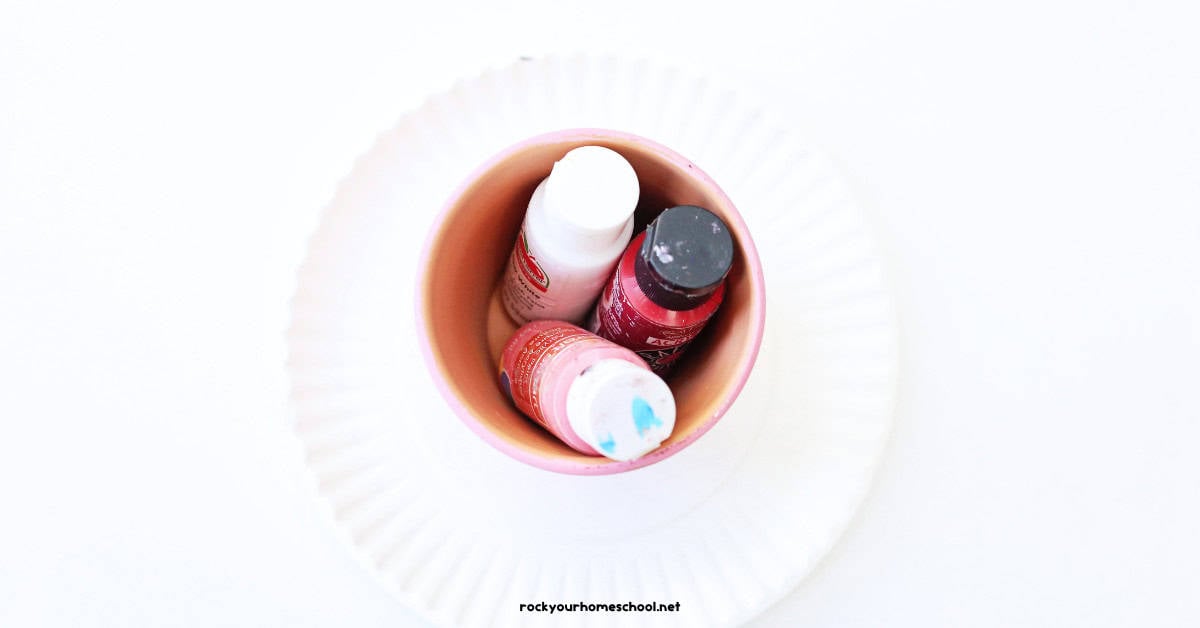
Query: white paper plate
{"type": "Point", "coordinates": [463, 533]}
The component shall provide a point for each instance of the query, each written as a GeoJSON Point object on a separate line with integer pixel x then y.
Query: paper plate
{"type": "Point", "coordinates": [464, 534]}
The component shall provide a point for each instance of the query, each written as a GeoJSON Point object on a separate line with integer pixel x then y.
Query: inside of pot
{"type": "Point", "coordinates": [468, 327]}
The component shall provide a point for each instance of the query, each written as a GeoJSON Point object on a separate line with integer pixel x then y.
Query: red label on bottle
{"type": "Point", "coordinates": [529, 265]}
{"type": "Point", "coordinates": [621, 316]}
{"type": "Point", "coordinates": [523, 378]}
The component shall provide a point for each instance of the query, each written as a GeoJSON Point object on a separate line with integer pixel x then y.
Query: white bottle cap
{"type": "Point", "coordinates": [590, 196]}
{"type": "Point", "coordinates": [620, 409]}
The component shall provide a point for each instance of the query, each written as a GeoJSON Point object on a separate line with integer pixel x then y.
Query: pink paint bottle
{"type": "Point", "coordinates": [669, 283]}
{"type": "Point", "coordinates": [597, 397]}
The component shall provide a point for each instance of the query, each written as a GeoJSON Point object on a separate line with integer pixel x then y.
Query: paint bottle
{"type": "Point", "coordinates": [577, 224]}
{"type": "Point", "coordinates": [597, 397]}
{"type": "Point", "coordinates": [669, 283]}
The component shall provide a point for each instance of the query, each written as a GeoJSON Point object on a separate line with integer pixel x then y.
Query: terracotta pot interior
{"type": "Point", "coordinates": [468, 328]}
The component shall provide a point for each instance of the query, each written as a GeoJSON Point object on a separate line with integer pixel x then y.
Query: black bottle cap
{"type": "Point", "coordinates": [685, 256]}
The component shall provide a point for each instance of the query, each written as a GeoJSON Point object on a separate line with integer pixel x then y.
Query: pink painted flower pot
{"type": "Point", "coordinates": [463, 327]}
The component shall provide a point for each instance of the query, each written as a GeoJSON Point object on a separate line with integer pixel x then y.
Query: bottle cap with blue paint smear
{"type": "Point", "coordinates": [622, 410]}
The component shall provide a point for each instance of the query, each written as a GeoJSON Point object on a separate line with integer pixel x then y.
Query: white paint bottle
{"type": "Point", "coordinates": [578, 223]}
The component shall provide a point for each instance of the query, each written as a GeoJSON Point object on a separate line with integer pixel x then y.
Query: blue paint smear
{"type": "Point", "coordinates": [608, 445]}
{"type": "Point", "coordinates": [643, 416]}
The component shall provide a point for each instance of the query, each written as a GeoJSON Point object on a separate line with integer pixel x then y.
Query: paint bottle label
{"type": "Point", "coordinates": [523, 380]}
{"type": "Point", "coordinates": [617, 317]}
{"type": "Point", "coordinates": [526, 285]}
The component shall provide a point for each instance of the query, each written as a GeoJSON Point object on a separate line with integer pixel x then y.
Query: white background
{"type": "Point", "coordinates": [1033, 169]}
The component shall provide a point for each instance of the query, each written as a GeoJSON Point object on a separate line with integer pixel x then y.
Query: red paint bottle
{"type": "Point", "coordinates": [669, 283]}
